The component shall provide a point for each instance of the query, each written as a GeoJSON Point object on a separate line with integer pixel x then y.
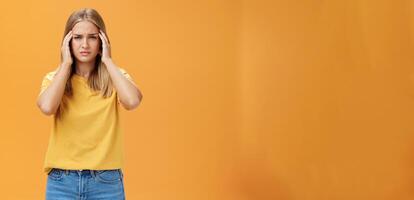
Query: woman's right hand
{"type": "Point", "coordinates": [65, 50]}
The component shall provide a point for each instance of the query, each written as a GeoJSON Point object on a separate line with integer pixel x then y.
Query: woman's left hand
{"type": "Point", "coordinates": [106, 48]}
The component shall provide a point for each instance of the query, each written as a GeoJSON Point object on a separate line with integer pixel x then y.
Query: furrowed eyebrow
{"type": "Point", "coordinates": [88, 34]}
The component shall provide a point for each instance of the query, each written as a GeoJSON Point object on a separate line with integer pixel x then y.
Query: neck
{"type": "Point", "coordinates": [84, 69]}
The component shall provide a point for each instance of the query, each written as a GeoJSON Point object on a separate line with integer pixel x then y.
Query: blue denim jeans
{"type": "Point", "coordinates": [85, 184]}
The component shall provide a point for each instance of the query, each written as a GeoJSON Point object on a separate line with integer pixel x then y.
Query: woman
{"type": "Point", "coordinates": [85, 151]}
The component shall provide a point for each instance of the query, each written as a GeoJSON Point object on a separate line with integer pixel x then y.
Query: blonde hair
{"type": "Point", "coordinates": [99, 79]}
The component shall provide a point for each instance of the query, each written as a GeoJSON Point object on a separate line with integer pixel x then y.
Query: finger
{"type": "Point", "coordinates": [68, 39]}
{"type": "Point", "coordinates": [68, 35]}
{"type": "Point", "coordinates": [103, 34]}
{"type": "Point", "coordinates": [104, 42]}
{"type": "Point", "coordinates": [66, 43]}
{"type": "Point", "coordinates": [102, 39]}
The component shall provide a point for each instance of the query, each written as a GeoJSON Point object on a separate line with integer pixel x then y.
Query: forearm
{"type": "Point", "coordinates": [51, 98]}
{"type": "Point", "coordinates": [129, 94]}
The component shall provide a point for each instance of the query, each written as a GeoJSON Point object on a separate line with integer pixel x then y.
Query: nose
{"type": "Point", "coordinates": [84, 43]}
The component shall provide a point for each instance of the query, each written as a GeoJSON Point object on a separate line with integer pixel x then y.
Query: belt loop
{"type": "Point", "coordinates": [66, 171]}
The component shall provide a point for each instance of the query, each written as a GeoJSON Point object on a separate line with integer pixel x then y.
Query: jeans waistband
{"type": "Point", "coordinates": [81, 171]}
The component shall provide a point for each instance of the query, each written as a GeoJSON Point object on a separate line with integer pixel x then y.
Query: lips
{"type": "Point", "coordinates": [85, 53]}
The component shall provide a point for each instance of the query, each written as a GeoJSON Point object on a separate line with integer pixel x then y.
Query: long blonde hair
{"type": "Point", "coordinates": [99, 79]}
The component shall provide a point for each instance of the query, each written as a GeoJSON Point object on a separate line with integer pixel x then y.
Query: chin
{"type": "Point", "coordinates": [86, 59]}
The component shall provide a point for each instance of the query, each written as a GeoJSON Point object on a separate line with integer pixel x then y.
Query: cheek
{"type": "Point", "coordinates": [95, 45]}
{"type": "Point", "coordinates": [75, 44]}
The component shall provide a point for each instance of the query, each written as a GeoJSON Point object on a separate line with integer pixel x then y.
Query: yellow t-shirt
{"type": "Point", "coordinates": [88, 135]}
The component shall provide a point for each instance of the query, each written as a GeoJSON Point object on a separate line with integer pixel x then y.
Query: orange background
{"type": "Point", "coordinates": [243, 100]}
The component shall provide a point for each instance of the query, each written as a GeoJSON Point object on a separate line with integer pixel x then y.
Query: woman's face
{"type": "Point", "coordinates": [85, 42]}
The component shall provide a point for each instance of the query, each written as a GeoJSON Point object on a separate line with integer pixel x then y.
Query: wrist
{"type": "Point", "coordinates": [65, 68]}
{"type": "Point", "coordinates": [65, 65]}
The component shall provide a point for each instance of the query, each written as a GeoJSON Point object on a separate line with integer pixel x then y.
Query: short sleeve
{"type": "Point", "coordinates": [47, 79]}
